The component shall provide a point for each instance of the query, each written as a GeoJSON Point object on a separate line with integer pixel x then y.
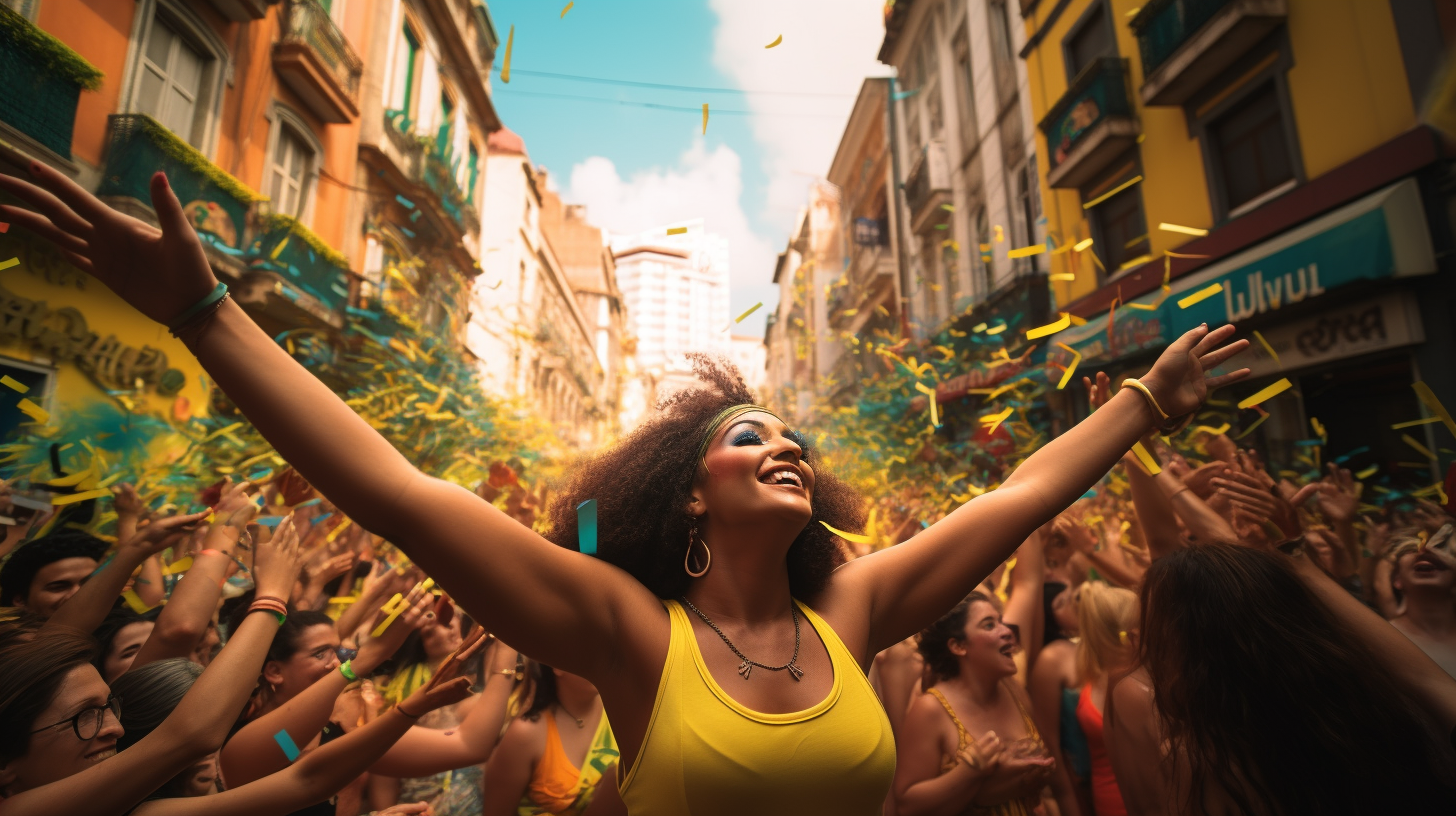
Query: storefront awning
{"type": "Point", "coordinates": [1382, 235]}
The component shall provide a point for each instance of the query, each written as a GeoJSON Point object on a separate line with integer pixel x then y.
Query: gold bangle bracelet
{"type": "Point", "coordinates": [1131, 382]}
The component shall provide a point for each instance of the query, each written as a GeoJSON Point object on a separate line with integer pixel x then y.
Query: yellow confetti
{"type": "Point", "coordinates": [563, 11]}
{"type": "Point", "coordinates": [1201, 295]}
{"type": "Point", "coordinates": [72, 498]}
{"type": "Point", "coordinates": [1072, 367]}
{"type": "Point", "coordinates": [1428, 397]}
{"type": "Point", "coordinates": [677, 231]}
{"type": "Point", "coordinates": [1413, 423]}
{"type": "Point", "coordinates": [996, 329]}
{"type": "Point", "coordinates": [1210, 430]}
{"type": "Point", "coordinates": [750, 311]}
{"type": "Point", "coordinates": [278, 250]}
{"type": "Point", "coordinates": [1150, 307]}
{"type": "Point", "coordinates": [72, 480]}
{"type": "Point", "coordinates": [1149, 463]}
{"type": "Point", "coordinates": [1367, 472]}
{"type": "Point", "coordinates": [1027, 251]}
{"type": "Point", "coordinates": [1061, 276]}
{"type": "Point", "coordinates": [6, 264]}
{"type": "Point", "coordinates": [1166, 227]}
{"type": "Point", "coordinates": [178, 566]}
{"type": "Point", "coordinates": [775, 42]}
{"type": "Point", "coordinates": [1265, 343]}
{"type": "Point", "coordinates": [506, 62]}
{"type": "Point", "coordinates": [1000, 234]}
{"type": "Point", "coordinates": [930, 395]}
{"type": "Point", "coordinates": [1082, 245]}
{"type": "Point", "coordinates": [1110, 193]}
{"type": "Point", "coordinates": [1417, 447]}
{"type": "Point", "coordinates": [13, 383]}
{"type": "Point", "coordinates": [978, 328]}
{"type": "Point", "coordinates": [1272, 391]}
{"type": "Point", "coordinates": [1050, 328]}
{"type": "Point", "coordinates": [1256, 423]}
{"type": "Point", "coordinates": [705, 118]}
{"type": "Point", "coordinates": [334, 533]}
{"type": "Point", "coordinates": [993, 421]}
{"type": "Point", "coordinates": [135, 601]}
{"type": "Point", "coordinates": [394, 608]}
{"type": "Point", "coordinates": [1005, 580]}
{"type": "Point", "coordinates": [855, 537]}
{"type": "Point", "coordinates": [1319, 429]}
{"type": "Point", "coordinates": [34, 411]}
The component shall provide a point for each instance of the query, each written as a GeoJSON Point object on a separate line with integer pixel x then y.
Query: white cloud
{"type": "Point", "coordinates": [704, 184]}
{"type": "Point", "coordinates": [829, 47]}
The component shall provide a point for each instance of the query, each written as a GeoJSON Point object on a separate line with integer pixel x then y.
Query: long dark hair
{"type": "Point", "coordinates": [543, 689]}
{"type": "Point", "coordinates": [1270, 701]}
{"type": "Point", "coordinates": [934, 640]}
{"type": "Point", "coordinates": [33, 668]}
{"type": "Point", "coordinates": [642, 486]}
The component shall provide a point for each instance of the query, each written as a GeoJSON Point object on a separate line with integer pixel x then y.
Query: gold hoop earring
{"type": "Point", "coordinates": [687, 556]}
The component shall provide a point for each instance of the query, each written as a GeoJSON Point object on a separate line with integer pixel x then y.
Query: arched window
{"type": "Point", "coordinates": [293, 161]}
{"type": "Point", "coordinates": [176, 69]}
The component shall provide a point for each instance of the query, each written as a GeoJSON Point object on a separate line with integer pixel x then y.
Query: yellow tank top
{"type": "Point", "coordinates": [704, 754]}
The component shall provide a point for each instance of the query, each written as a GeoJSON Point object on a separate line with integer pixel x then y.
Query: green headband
{"type": "Point", "coordinates": [725, 415]}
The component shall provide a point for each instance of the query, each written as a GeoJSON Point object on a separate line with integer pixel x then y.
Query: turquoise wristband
{"type": "Point", "coordinates": [217, 293]}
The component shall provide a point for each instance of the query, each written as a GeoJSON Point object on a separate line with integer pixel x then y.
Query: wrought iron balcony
{"type": "Point", "coordinates": [45, 79]}
{"type": "Point", "coordinates": [315, 60]}
{"type": "Point", "coordinates": [216, 203]}
{"type": "Point", "coordinates": [1186, 43]}
{"type": "Point", "coordinates": [1090, 125]}
{"type": "Point", "coordinates": [439, 175]}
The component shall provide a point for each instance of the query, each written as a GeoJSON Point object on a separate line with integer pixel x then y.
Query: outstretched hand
{"type": "Point", "coordinates": [160, 272]}
{"type": "Point", "coordinates": [164, 533]}
{"type": "Point", "coordinates": [1179, 379]}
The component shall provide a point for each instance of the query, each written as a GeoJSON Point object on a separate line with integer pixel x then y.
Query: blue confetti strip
{"type": "Point", "coordinates": [321, 518]}
{"type": "Point", "coordinates": [1352, 454]}
{"type": "Point", "coordinates": [586, 527]}
{"type": "Point", "coordinates": [285, 742]}
{"type": "Point", "coordinates": [409, 205]}
{"type": "Point", "coordinates": [309, 503]}
{"type": "Point", "coordinates": [409, 232]}
{"type": "Point", "coordinates": [268, 521]}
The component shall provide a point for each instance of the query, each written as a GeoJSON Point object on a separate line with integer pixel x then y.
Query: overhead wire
{"type": "Point", "coordinates": [664, 86]}
{"type": "Point", "coordinates": [659, 106]}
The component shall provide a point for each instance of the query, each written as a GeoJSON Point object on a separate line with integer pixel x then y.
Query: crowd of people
{"type": "Point", "coordinates": [1105, 633]}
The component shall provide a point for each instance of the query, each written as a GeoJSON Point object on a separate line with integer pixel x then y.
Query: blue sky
{"type": "Point", "coordinates": [637, 166]}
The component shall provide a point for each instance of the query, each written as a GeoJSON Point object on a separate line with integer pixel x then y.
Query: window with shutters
{"type": "Point", "coordinates": [290, 179]}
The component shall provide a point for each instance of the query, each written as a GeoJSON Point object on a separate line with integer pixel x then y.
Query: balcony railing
{"type": "Point", "coordinates": [45, 79]}
{"type": "Point", "coordinates": [216, 203]}
{"type": "Point", "coordinates": [1186, 43]}
{"type": "Point", "coordinates": [1164, 25]}
{"type": "Point", "coordinates": [928, 185]}
{"type": "Point", "coordinates": [317, 63]}
{"type": "Point", "coordinates": [1091, 123]}
{"type": "Point", "coordinates": [439, 176]}
{"type": "Point", "coordinates": [304, 262]}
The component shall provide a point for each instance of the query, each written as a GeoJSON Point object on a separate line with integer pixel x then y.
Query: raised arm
{"type": "Point", "coordinates": [907, 586]}
{"type": "Point", "coordinates": [425, 751]}
{"type": "Point", "coordinates": [196, 727]}
{"type": "Point", "coordinates": [251, 753]}
{"type": "Point", "coordinates": [185, 618]}
{"type": "Point", "coordinates": [559, 606]}
{"type": "Point", "coordinates": [319, 774]}
{"type": "Point", "coordinates": [1024, 605]}
{"type": "Point", "coordinates": [85, 610]}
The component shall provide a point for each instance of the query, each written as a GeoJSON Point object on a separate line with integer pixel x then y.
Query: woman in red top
{"type": "Point", "coordinates": [1106, 616]}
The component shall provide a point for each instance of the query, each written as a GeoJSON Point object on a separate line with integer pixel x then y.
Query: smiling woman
{"type": "Point", "coordinates": [644, 487]}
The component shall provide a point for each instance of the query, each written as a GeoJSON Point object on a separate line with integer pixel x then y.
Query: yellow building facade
{"type": "Point", "coordinates": [1260, 162]}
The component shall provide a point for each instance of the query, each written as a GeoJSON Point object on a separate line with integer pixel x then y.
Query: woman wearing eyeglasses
{"type": "Point", "coordinates": [60, 722]}
{"type": "Point", "coordinates": [299, 692]}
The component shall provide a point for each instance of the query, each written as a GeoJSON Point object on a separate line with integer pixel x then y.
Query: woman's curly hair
{"type": "Point", "coordinates": [643, 484]}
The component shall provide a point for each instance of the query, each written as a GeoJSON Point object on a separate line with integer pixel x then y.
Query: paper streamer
{"type": "Point", "coordinates": [1272, 391]}
{"type": "Point", "coordinates": [568, 8]}
{"type": "Point", "coordinates": [1026, 251]}
{"type": "Point", "coordinates": [705, 118]}
{"type": "Point", "coordinates": [290, 749]}
{"type": "Point", "coordinates": [394, 608]}
{"type": "Point", "coordinates": [1147, 460]}
{"type": "Point", "coordinates": [1166, 227]}
{"type": "Point", "coordinates": [506, 62]}
{"type": "Point", "coordinates": [855, 537]}
{"type": "Point", "coordinates": [775, 42]}
{"type": "Point", "coordinates": [6, 264]}
{"type": "Point", "coordinates": [586, 527]}
{"type": "Point", "coordinates": [34, 411]}
{"type": "Point", "coordinates": [677, 230]}
{"type": "Point", "coordinates": [1265, 343]}
{"type": "Point", "coordinates": [1050, 328]}
{"type": "Point", "coordinates": [1418, 447]}
{"type": "Point", "coordinates": [1071, 367]}
{"type": "Point", "coordinates": [72, 498]}
{"type": "Point", "coordinates": [751, 310]}
{"type": "Point", "coordinates": [12, 383]}
{"type": "Point", "coordinates": [1428, 397]}
{"type": "Point", "coordinates": [1201, 295]}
